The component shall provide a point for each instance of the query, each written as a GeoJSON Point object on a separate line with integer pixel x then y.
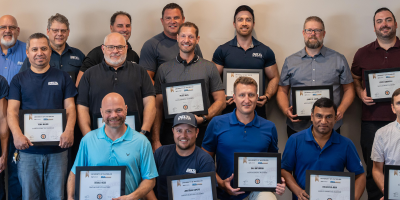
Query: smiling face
{"type": "Point", "coordinates": [114, 111]}
{"type": "Point", "coordinates": [171, 21]}
{"type": "Point", "coordinates": [58, 34]}
{"type": "Point", "coordinates": [323, 119]}
{"type": "Point", "coordinates": [245, 98]}
{"type": "Point", "coordinates": [39, 53]}
{"type": "Point", "coordinates": [113, 56]}
{"type": "Point", "coordinates": [185, 136]}
{"type": "Point", "coordinates": [187, 39]}
{"type": "Point", "coordinates": [122, 25]}
{"type": "Point", "coordinates": [9, 31]}
{"type": "Point", "coordinates": [385, 26]}
{"type": "Point", "coordinates": [244, 23]}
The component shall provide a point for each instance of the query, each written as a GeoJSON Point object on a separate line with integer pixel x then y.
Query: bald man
{"type": "Point", "coordinates": [118, 139]}
{"type": "Point", "coordinates": [116, 74]}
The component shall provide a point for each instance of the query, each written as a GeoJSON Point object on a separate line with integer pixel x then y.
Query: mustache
{"type": "Point", "coordinates": [385, 27]}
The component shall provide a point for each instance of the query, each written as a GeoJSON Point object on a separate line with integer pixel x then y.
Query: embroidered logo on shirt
{"type": "Point", "coordinates": [20, 63]}
{"type": "Point", "coordinates": [257, 55]}
{"type": "Point", "coordinates": [361, 164]}
{"type": "Point", "coordinates": [53, 83]}
{"type": "Point", "coordinates": [127, 154]}
{"type": "Point", "coordinates": [74, 57]}
{"type": "Point", "coordinates": [192, 171]}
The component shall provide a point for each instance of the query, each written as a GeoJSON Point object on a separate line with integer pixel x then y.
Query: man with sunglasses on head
{"type": "Point", "coordinates": [315, 65]}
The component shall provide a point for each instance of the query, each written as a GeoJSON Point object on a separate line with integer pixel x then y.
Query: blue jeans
{"type": "Point", "coordinates": [48, 170]}
{"type": "Point", "coordinates": [14, 188]}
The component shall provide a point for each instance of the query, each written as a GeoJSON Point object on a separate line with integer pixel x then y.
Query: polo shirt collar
{"type": "Point", "coordinates": [67, 48]}
{"type": "Point", "coordinates": [182, 61]}
{"type": "Point", "coordinates": [129, 45]}
{"type": "Point", "coordinates": [397, 125]}
{"type": "Point", "coordinates": [128, 135]}
{"type": "Point", "coordinates": [106, 66]}
{"type": "Point", "coordinates": [397, 44]}
{"type": "Point", "coordinates": [234, 120]}
{"type": "Point", "coordinates": [334, 137]}
{"type": "Point", "coordinates": [12, 49]}
{"type": "Point", "coordinates": [303, 52]}
{"type": "Point", "coordinates": [235, 43]}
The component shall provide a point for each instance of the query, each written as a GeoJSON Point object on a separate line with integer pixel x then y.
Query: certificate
{"type": "Point", "coordinates": [230, 76]}
{"type": "Point", "coordinates": [99, 182]}
{"type": "Point", "coordinates": [257, 171]}
{"type": "Point", "coordinates": [43, 127]}
{"type": "Point", "coordinates": [132, 119]}
{"type": "Point", "coordinates": [392, 182]}
{"type": "Point", "coordinates": [185, 96]}
{"type": "Point", "coordinates": [200, 186]}
{"type": "Point", "coordinates": [380, 84]}
{"type": "Point", "coordinates": [305, 97]}
{"type": "Point", "coordinates": [330, 185]}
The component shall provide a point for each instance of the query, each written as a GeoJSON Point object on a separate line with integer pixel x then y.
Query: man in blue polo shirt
{"type": "Point", "coordinates": [126, 146]}
{"type": "Point", "coordinates": [240, 131]}
{"type": "Point", "coordinates": [320, 147]}
{"type": "Point", "coordinates": [245, 52]}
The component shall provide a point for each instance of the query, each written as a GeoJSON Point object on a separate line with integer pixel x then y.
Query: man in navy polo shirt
{"type": "Point", "coordinates": [183, 157]}
{"type": "Point", "coordinates": [240, 131]}
{"type": "Point", "coordinates": [41, 87]}
{"type": "Point", "coordinates": [320, 147]}
{"type": "Point", "coordinates": [245, 52]}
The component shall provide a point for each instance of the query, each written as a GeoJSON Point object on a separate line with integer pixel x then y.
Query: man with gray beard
{"type": "Point", "coordinates": [116, 74]}
{"type": "Point", "coordinates": [315, 65]}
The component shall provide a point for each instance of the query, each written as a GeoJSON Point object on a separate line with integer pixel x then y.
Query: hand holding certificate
{"type": "Point", "coordinates": [200, 186]}
{"type": "Point", "coordinates": [392, 182]}
{"type": "Point", "coordinates": [380, 84]}
{"type": "Point", "coordinates": [303, 98]}
{"type": "Point", "coordinates": [330, 185]}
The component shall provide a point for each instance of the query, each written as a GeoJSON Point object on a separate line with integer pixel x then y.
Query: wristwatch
{"type": "Point", "coordinates": [267, 98]}
{"type": "Point", "coordinates": [144, 132]}
{"type": "Point", "coordinates": [204, 119]}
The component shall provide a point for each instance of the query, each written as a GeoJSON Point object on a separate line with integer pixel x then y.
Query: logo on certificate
{"type": "Point", "coordinates": [178, 183]}
{"type": "Point", "coordinates": [316, 178]}
{"type": "Point", "coordinates": [185, 107]}
{"type": "Point", "coordinates": [396, 173]}
{"type": "Point", "coordinates": [30, 117]}
{"type": "Point", "coordinates": [244, 160]}
{"type": "Point", "coordinates": [99, 196]}
{"type": "Point", "coordinates": [87, 174]}
{"type": "Point", "coordinates": [43, 136]}
{"type": "Point", "coordinates": [387, 92]}
{"type": "Point", "coordinates": [257, 181]}
{"type": "Point", "coordinates": [172, 89]}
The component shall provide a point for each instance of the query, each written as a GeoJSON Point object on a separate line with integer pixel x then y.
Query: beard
{"type": "Point", "coordinates": [120, 119]}
{"type": "Point", "coordinates": [187, 50]}
{"type": "Point", "coordinates": [314, 45]}
{"type": "Point", "coordinates": [117, 62]}
{"type": "Point", "coordinates": [185, 148]}
{"type": "Point", "coordinates": [8, 43]}
{"type": "Point", "coordinates": [389, 35]}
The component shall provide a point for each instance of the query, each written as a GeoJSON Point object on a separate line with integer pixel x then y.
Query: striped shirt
{"type": "Point", "coordinates": [386, 145]}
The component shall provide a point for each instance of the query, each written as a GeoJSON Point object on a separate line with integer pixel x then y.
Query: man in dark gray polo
{"type": "Point", "coordinates": [315, 65]}
{"type": "Point", "coordinates": [187, 66]}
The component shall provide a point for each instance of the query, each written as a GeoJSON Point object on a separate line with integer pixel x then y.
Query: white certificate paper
{"type": "Point", "coordinates": [43, 127]}
{"type": "Point", "coordinates": [231, 78]}
{"type": "Point", "coordinates": [257, 172]}
{"type": "Point", "coordinates": [305, 99]}
{"type": "Point", "coordinates": [394, 184]}
{"type": "Point", "coordinates": [99, 185]}
{"type": "Point", "coordinates": [192, 189]}
{"type": "Point", "coordinates": [382, 85]}
{"type": "Point", "coordinates": [324, 187]}
{"type": "Point", "coordinates": [186, 98]}
{"type": "Point", "coordinates": [130, 120]}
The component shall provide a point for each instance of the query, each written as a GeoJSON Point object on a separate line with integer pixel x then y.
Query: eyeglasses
{"type": "Point", "coordinates": [112, 47]}
{"type": "Point", "coordinates": [12, 28]}
{"type": "Point", "coordinates": [55, 31]}
{"type": "Point", "coordinates": [316, 31]}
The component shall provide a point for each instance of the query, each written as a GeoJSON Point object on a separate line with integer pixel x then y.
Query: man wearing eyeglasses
{"type": "Point", "coordinates": [116, 74]}
{"type": "Point", "coordinates": [315, 65]}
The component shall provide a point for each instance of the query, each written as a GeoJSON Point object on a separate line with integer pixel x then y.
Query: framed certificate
{"type": "Point", "coordinates": [230, 76]}
{"type": "Point", "coordinates": [43, 127]}
{"type": "Point", "coordinates": [330, 185]}
{"type": "Point", "coordinates": [257, 171]}
{"type": "Point", "coordinates": [192, 186]}
{"type": "Point", "coordinates": [303, 99]}
{"type": "Point", "coordinates": [73, 76]}
{"type": "Point", "coordinates": [392, 182]}
{"type": "Point", "coordinates": [99, 182]}
{"type": "Point", "coordinates": [132, 119]}
{"type": "Point", "coordinates": [185, 96]}
{"type": "Point", "coordinates": [381, 83]}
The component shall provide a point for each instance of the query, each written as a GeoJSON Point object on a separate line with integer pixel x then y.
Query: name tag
{"type": "Point", "coordinates": [53, 83]}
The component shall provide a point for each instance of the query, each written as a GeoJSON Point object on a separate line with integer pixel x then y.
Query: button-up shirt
{"type": "Point", "coordinates": [11, 63]}
{"type": "Point", "coordinates": [386, 146]}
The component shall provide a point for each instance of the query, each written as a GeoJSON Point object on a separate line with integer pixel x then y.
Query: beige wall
{"type": "Point", "coordinates": [279, 24]}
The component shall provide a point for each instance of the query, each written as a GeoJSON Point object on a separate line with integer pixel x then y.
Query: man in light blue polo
{"type": "Point", "coordinates": [116, 144]}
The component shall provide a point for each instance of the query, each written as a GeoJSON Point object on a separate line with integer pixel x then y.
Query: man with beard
{"type": "Point", "coordinates": [116, 74]}
{"type": "Point", "coordinates": [244, 51]}
{"type": "Point", "coordinates": [164, 47]}
{"type": "Point", "coordinates": [315, 65]}
{"type": "Point", "coordinates": [320, 147]}
{"type": "Point", "coordinates": [126, 146]}
{"type": "Point", "coordinates": [183, 157]}
{"type": "Point", "coordinates": [185, 67]}
{"type": "Point", "coordinates": [381, 54]}
{"type": "Point", "coordinates": [120, 22]}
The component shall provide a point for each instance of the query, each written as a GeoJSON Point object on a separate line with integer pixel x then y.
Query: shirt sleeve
{"type": "Point", "coordinates": [215, 79]}
{"type": "Point", "coordinates": [148, 56]}
{"type": "Point", "coordinates": [3, 87]}
{"type": "Point", "coordinates": [93, 58]}
{"type": "Point", "coordinates": [285, 76]}
{"type": "Point", "coordinates": [377, 153]}
{"type": "Point", "coordinates": [70, 89]}
{"type": "Point", "coordinates": [269, 58]}
{"type": "Point", "coordinates": [219, 57]}
{"type": "Point", "coordinates": [345, 76]}
{"type": "Point", "coordinates": [159, 80]}
{"type": "Point", "coordinates": [289, 158]}
{"type": "Point", "coordinates": [81, 159]}
{"type": "Point", "coordinates": [15, 89]}
{"type": "Point", "coordinates": [83, 90]}
{"type": "Point", "coordinates": [273, 147]}
{"type": "Point", "coordinates": [25, 65]}
{"type": "Point", "coordinates": [210, 140]}
{"type": "Point", "coordinates": [147, 84]}
{"type": "Point", "coordinates": [148, 169]}
{"type": "Point", "coordinates": [355, 67]}
{"type": "Point", "coordinates": [197, 51]}
{"type": "Point", "coordinates": [353, 162]}
{"type": "Point", "coordinates": [207, 164]}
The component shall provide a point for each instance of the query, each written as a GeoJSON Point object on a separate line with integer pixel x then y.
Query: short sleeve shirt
{"type": "Point", "coordinates": [11, 63]}
{"type": "Point", "coordinates": [370, 57]}
{"type": "Point", "coordinates": [386, 144]}
{"type": "Point", "coordinates": [3, 87]}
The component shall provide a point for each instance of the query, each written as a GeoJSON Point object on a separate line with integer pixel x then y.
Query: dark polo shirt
{"type": "Point", "coordinates": [369, 57]}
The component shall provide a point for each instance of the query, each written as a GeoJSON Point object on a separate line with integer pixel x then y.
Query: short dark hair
{"type": "Point", "coordinates": [189, 24]}
{"type": "Point", "coordinates": [36, 36]}
{"type": "Point", "coordinates": [314, 18]}
{"type": "Point", "coordinates": [324, 103]}
{"type": "Point", "coordinates": [395, 93]}
{"type": "Point", "coordinates": [245, 81]}
{"type": "Point", "coordinates": [243, 8]}
{"type": "Point", "coordinates": [171, 6]}
{"type": "Point", "coordinates": [383, 9]}
{"type": "Point", "coordinates": [115, 15]}
{"type": "Point", "coordinates": [59, 18]}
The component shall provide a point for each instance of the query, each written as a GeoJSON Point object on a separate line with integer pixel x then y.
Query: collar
{"type": "Point", "coordinates": [397, 124]}
{"type": "Point", "coordinates": [129, 45]}
{"type": "Point", "coordinates": [128, 135]}
{"type": "Point", "coordinates": [234, 120]}
{"type": "Point", "coordinates": [397, 44]}
{"type": "Point", "coordinates": [180, 60]}
{"type": "Point", "coordinates": [112, 68]}
{"type": "Point", "coordinates": [303, 52]}
{"type": "Point", "coordinates": [12, 49]}
{"type": "Point", "coordinates": [67, 48]}
{"type": "Point", "coordinates": [335, 137]}
{"type": "Point", "coordinates": [235, 43]}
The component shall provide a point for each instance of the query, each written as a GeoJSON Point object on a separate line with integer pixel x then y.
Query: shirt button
{"type": "Point", "coordinates": [314, 59]}
{"type": "Point", "coordinates": [6, 67]}
{"type": "Point", "coordinates": [313, 80]}
{"type": "Point", "coordinates": [385, 57]}
{"type": "Point", "coordinates": [61, 65]}
{"type": "Point", "coordinates": [313, 69]}
{"type": "Point", "coordinates": [6, 58]}
{"type": "Point", "coordinates": [115, 78]}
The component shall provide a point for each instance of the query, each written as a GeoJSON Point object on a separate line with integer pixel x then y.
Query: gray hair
{"type": "Point", "coordinates": [36, 36]}
{"type": "Point", "coordinates": [59, 18]}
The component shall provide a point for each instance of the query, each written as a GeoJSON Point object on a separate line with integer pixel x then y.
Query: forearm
{"type": "Point", "coordinates": [13, 123]}
{"type": "Point", "coordinates": [272, 87]}
{"type": "Point", "coordinates": [144, 188]}
{"type": "Point", "coordinates": [291, 182]}
{"type": "Point", "coordinates": [360, 185]}
{"type": "Point", "coordinates": [71, 117]}
{"type": "Point", "coordinates": [221, 183]}
{"type": "Point", "coordinates": [348, 97]}
{"type": "Point", "coordinates": [282, 100]}
{"type": "Point", "coordinates": [4, 131]}
{"type": "Point", "coordinates": [78, 78]}
{"type": "Point", "coordinates": [71, 185]}
{"type": "Point", "coordinates": [149, 113]}
{"type": "Point", "coordinates": [84, 119]}
{"type": "Point", "coordinates": [378, 178]}
{"type": "Point", "coordinates": [358, 86]}
{"type": "Point", "coordinates": [151, 195]}
{"type": "Point", "coordinates": [215, 109]}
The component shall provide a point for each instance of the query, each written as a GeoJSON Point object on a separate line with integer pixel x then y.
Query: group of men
{"type": "Point", "coordinates": [113, 82]}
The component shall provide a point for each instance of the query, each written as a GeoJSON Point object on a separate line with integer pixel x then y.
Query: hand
{"type": "Point", "coordinates": [229, 189]}
{"type": "Point", "coordinates": [66, 139]}
{"type": "Point", "coordinates": [339, 114]}
{"type": "Point", "coordinates": [229, 101]}
{"type": "Point", "coordinates": [21, 142]}
{"type": "Point", "coordinates": [199, 119]}
{"type": "Point", "coordinates": [383, 196]}
{"type": "Point", "coordinates": [3, 163]}
{"type": "Point", "coordinates": [280, 187]}
{"type": "Point", "coordinates": [125, 197]}
{"type": "Point", "coordinates": [366, 99]}
{"type": "Point", "coordinates": [289, 114]}
{"type": "Point", "coordinates": [263, 100]}
{"type": "Point", "coordinates": [302, 195]}
{"type": "Point", "coordinates": [155, 145]}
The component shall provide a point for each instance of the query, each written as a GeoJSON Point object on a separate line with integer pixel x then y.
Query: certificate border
{"type": "Point", "coordinates": [22, 123]}
{"type": "Point", "coordinates": [331, 173]}
{"type": "Point", "coordinates": [320, 87]}
{"type": "Point", "coordinates": [189, 176]}
{"type": "Point", "coordinates": [130, 113]}
{"type": "Point", "coordinates": [98, 168]}
{"type": "Point", "coordinates": [367, 87]}
{"type": "Point", "coordinates": [203, 89]}
{"type": "Point", "coordinates": [386, 181]}
{"type": "Point", "coordinates": [261, 154]}
{"type": "Point", "coordinates": [232, 70]}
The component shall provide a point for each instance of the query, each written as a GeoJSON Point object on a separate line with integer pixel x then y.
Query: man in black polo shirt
{"type": "Point", "coordinates": [116, 74]}
{"type": "Point", "coordinates": [244, 51]}
{"type": "Point", "coordinates": [120, 22]}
